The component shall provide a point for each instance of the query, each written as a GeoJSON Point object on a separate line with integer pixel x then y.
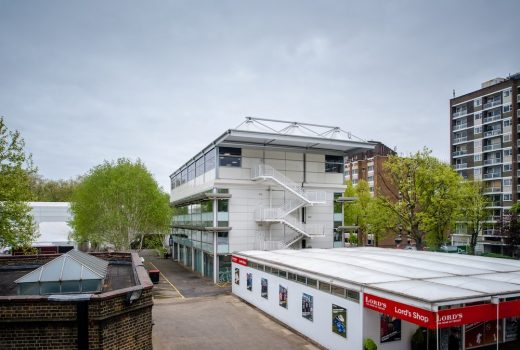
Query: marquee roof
{"type": "Point", "coordinates": [427, 277]}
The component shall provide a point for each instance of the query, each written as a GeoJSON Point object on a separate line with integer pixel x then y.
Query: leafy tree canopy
{"type": "Point", "coordinates": [118, 202]}
{"type": "Point", "coordinates": [45, 190]}
{"type": "Point", "coordinates": [16, 223]}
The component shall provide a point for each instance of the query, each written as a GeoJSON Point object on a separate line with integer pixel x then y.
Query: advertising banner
{"type": "Point", "coordinates": [282, 296]}
{"type": "Point", "coordinates": [237, 275]}
{"type": "Point", "coordinates": [390, 328]}
{"type": "Point", "coordinates": [238, 260]}
{"type": "Point", "coordinates": [481, 333]}
{"type": "Point", "coordinates": [249, 281]}
{"type": "Point", "coordinates": [263, 291]}
{"type": "Point", "coordinates": [405, 312]}
{"type": "Point", "coordinates": [307, 306]}
{"type": "Point", "coordinates": [456, 317]}
{"type": "Point", "coordinates": [339, 320]}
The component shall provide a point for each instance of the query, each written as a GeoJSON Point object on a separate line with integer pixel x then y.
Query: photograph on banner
{"type": "Point", "coordinates": [249, 281]}
{"type": "Point", "coordinates": [390, 328]}
{"type": "Point", "coordinates": [482, 333]}
{"type": "Point", "coordinates": [237, 275]}
{"type": "Point", "coordinates": [307, 306]}
{"type": "Point", "coordinates": [339, 320]}
{"type": "Point", "coordinates": [511, 328]}
{"type": "Point", "coordinates": [282, 296]}
{"type": "Point", "coordinates": [263, 292]}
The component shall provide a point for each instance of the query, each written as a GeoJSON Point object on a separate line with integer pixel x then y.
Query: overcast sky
{"type": "Point", "coordinates": [158, 80]}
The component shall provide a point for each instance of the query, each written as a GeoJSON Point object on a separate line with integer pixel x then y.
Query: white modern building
{"type": "Point", "coordinates": [51, 220]}
{"type": "Point", "coordinates": [341, 297]}
{"type": "Point", "coordinates": [264, 185]}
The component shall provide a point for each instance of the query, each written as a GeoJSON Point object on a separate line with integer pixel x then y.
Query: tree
{"type": "Point", "coordinates": [381, 221]}
{"type": "Point", "coordinates": [473, 210]}
{"type": "Point", "coordinates": [357, 212]}
{"type": "Point", "coordinates": [45, 190]}
{"type": "Point", "coordinates": [16, 223]}
{"type": "Point", "coordinates": [509, 227]}
{"type": "Point", "coordinates": [428, 195]}
{"type": "Point", "coordinates": [118, 202]}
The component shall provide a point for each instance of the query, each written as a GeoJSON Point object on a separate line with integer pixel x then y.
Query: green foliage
{"type": "Point", "coordinates": [117, 202]}
{"type": "Point", "coordinates": [473, 209]}
{"type": "Point", "coordinates": [428, 203]}
{"type": "Point", "coordinates": [16, 223]}
{"type": "Point", "coordinates": [45, 190]}
{"type": "Point", "coordinates": [369, 344]}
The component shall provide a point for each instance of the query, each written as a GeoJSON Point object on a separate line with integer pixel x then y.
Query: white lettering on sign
{"type": "Point", "coordinates": [403, 312]}
{"type": "Point", "coordinates": [420, 317]}
{"type": "Point", "coordinates": [451, 317]}
{"type": "Point", "coordinates": [375, 303]}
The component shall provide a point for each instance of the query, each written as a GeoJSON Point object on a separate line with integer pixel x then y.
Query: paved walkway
{"type": "Point", "coordinates": [190, 312]}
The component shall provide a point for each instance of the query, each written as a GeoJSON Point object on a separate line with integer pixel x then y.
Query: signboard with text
{"type": "Point", "coordinates": [239, 260]}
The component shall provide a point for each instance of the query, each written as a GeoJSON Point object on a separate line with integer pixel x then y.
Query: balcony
{"type": "Point", "coordinates": [460, 139]}
{"type": "Point", "coordinates": [492, 147]}
{"type": "Point", "coordinates": [495, 204]}
{"type": "Point", "coordinates": [459, 153]}
{"type": "Point", "coordinates": [461, 166]}
{"type": "Point", "coordinates": [460, 126]}
{"type": "Point", "coordinates": [491, 118]}
{"type": "Point", "coordinates": [492, 104]}
{"type": "Point", "coordinates": [492, 133]}
{"type": "Point", "coordinates": [492, 175]}
{"type": "Point", "coordinates": [493, 189]}
{"type": "Point", "coordinates": [492, 161]}
{"type": "Point", "coordinates": [460, 113]}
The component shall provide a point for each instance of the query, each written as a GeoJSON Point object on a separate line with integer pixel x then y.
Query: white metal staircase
{"type": "Point", "coordinates": [283, 215]}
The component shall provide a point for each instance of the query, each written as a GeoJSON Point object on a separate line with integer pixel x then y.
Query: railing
{"type": "Point", "coordinates": [460, 126]}
{"type": "Point", "coordinates": [492, 161]}
{"type": "Point", "coordinates": [492, 118]}
{"type": "Point", "coordinates": [460, 139]}
{"type": "Point", "coordinates": [492, 104]}
{"type": "Point", "coordinates": [492, 147]}
{"type": "Point", "coordinates": [492, 175]}
{"type": "Point", "coordinates": [458, 114]}
{"type": "Point", "coordinates": [492, 189]}
{"type": "Point", "coordinates": [459, 153]}
{"type": "Point", "coordinates": [461, 166]}
{"type": "Point", "coordinates": [492, 132]}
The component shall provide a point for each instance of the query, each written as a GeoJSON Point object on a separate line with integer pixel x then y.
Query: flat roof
{"type": "Point", "coordinates": [262, 132]}
{"type": "Point", "coordinates": [430, 277]}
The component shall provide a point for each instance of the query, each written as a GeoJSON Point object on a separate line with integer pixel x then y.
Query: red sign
{"type": "Point", "coordinates": [405, 312]}
{"type": "Point", "coordinates": [508, 309]}
{"type": "Point", "coordinates": [464, 315]}
{"type": "Point", "coordinates": [239, 260]}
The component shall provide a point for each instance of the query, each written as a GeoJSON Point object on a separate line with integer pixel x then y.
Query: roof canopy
{"type": "Point", "coordinates": [72, 266]}
{"type": "Point", "coordinates": [432, 278]}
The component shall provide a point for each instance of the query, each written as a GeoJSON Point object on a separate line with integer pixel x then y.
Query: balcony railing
{"type": "Point", "coordinates": [492, 104]}
{"type": "Point", "coordinates": [492, 161]}
{"type": "Point", "coordinates": [492, 147]}
{"type": "Point", "coordinates": [494, 204]}
{"type": "Point", "coordinates": [492, 133]}
{"type": "Point", "coordinates": [460, 126]}
{"type": "Point", "coordinates": [491, 118]}
{"type": "Point", "coordinates": [461, 166]}
{"type": "Point", "coordinates": [459, 153]}
{"type": "Point", "coordinates": [458, 114]}
{"type": "Point", "coordinates": [460, 139]}
{"type": "Point", "coordinates": [492, 175]}
{"type": "Point", "coordinates": [518, 188]}
{"type": "Point", "coordinates": [492, 189]}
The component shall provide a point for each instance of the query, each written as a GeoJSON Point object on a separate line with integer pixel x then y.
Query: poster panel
{"type": "Point", "coordinates": [481, 333]}
{"type": "Point", "coordinates": [339, 320]}
{"type": "Point", "coordinates": [307, 306]}
{"type": "Point", "coordinates": [263, 291]}
{"type": "Point", "coordinates": [390, 328]}
{"type": "Point", "coordinates": [511, 329]}
{"type": "Point", "coordinates": [249, 281]}
{"type": "Point", "coordinates": [282, 296]}
{"type": "Point", "coordinates": [237, 276]}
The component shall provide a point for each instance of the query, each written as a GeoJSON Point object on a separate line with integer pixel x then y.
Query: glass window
{"type": "Point", "coordinates": [337, 290]}
{"type": "Point", "coordinates": [337, 205]}
{"type": "Point", "coordinates": [325, 287]}
{"type": "Point", "coordinates": [32, 288]}
{"type": "Point", "coordinates": [291, 276]}
{"type": "Point", "coordinates": [282, 273]}
{"type": "Point", "coordinates": [70, 287]}
{"type": "Point", "coordinates": [191, 172]}
{"type": "Point", "coordinates": [312, 283]}
{"type": "Point", "coordinates": [301, 279]}
{"type": "Point", "coordinates": [209, 160]}
{"type": "Point", "coordinates": [334, 164]}
{"type": "Point", "coordinates": [508, 152]}
{"type": "Point", "coordinates": [90, 285]}
{"type": "Point", "coordinates": [353, 295]}
{"type": "Point", "coordinates": [507, 108]}
{"type": "Point", "coordinates": [50, 287]}
{"type": "Point", "coordinates": [477, 157]}
{"type": "Point", "coordinates": [199, 166]}
{"type": "Point", "coordinates": [477, 102]}
{"type": "Point", "coordinates": [508, 197]}
{"type": "Point", "coordinates": [507, 167]}
{"type": "Point", "coordinates": [230, 156]}
{"type": "Point", "coordinates": [184, 176]}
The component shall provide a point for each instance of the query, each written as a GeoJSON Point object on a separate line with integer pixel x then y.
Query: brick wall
{"type": "Point", "coordinates": [30, 322]}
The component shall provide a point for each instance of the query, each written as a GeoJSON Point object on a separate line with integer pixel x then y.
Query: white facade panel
{"type": "Point", "coordinates": [320, 328]}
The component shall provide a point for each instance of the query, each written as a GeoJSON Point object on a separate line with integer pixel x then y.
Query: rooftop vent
{"type": "Point", "coordinates": [73, 272]}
